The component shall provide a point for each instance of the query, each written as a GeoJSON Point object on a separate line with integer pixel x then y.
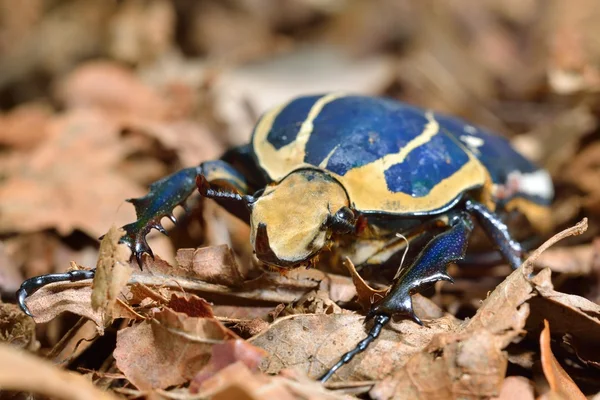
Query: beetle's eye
{"type": "Point", "coordinates": [343, 220]}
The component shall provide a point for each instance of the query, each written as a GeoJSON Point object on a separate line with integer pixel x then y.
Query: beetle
{"type": "Point", "coordinates": [349, 172]}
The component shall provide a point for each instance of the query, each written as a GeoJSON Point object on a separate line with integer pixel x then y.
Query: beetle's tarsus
{"type": "Point", "coordinates": [30, 286]}
{"type": "Point", "coordinates": [379, 321]}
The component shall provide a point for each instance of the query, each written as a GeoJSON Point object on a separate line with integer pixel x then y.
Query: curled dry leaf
{"type": "Point", "coordinates": [168, 349]}
{"type": "Point", "coordinates": [215, 264]}
{"type": "Point", "coordinates": [561, 384]}
{"type": "Point", "coordinates": [21, 371]}
{"type": "Point", "coordinates": [112, 273]}
{"type": "Point", "coordinates": [574, 318]}
{"type": "Point", "coordinates": [269, 286]}
{"type": "Point", "coordinates": [367, 296]}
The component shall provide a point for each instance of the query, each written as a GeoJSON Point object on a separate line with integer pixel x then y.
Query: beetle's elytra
{"type": "Point", "coordinates": [350, 172]}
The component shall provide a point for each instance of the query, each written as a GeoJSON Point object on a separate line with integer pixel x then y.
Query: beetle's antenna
{"type": "Point", "coordinates": [403, 255]}
{"type": "Point", "coordinates": [379, 321]}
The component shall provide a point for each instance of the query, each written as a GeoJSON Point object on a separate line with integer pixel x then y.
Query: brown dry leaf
{"type": "Point", "coordinates": [367, 296]}
{"type": "Point", "coordinates": [16, 328]}
{"type": "Point", "coordinates": [52, 300]}
{"type": "Point", "coordinates": [516, 388]}
{"type": "Point", "coordinates": [473, 367]}
{"type": "Point", "coordinates": [561, 384]}
{"type": "Point", "coordinates": [60, 186]}
{"type": "Point", "coordinates": [168, 349]}
{"type": "Point", "coordinates": [312, 343]}
{"type": "Point", "coordinates": [225, 354]}
{"type": "Point", "coordinates": [576, 260]}
{"type": "Point", "coordinates": [141, 32]}
{"type": "Point", "coordinates": [112, 273]}
{"type": "Point", "coordinates": [114, 89]}
{"type": "Point", "coordinates": [25, 126]}
{"type": "Point", "coordinates": [237, 382]}
{"type": "Point", "coordinates": [21, 371]}
{"type": "Point", "coordinates": [574, 318]}
{"type": "Point", "coordinates": [215, 264]}
{"type": "Point", "coordinates": [191, 305]}
{"type": "Point", "coordinates": [314, 302]}
{"type": "Point", "coordinates": [269, 286]}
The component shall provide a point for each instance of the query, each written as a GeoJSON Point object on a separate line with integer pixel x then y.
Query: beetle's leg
{"type": "Point", "coordinates": [497, 231]}
{"type": "Point", "coordinates": [31, 285]}
{"type": "Point", "coordinates": [428, 268]}
{"type": "Point", "coordinates": [163, 197]}
{"type": "Point", "coordinates": [168, 193]}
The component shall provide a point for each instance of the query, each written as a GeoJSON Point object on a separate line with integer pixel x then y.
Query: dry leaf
{"type": "Point", "coordinates": [216, 264]}
{"type": "Point", "coordinates": [516, 388]}
{"type": "Point", "coordinates": [367, 296]}
{"type": "Point", "coordinates": [167, 350]}
{"type": "Point", "coordinates": [112, 273]}
{"type": "Point", "coordinates": [561, 384]}
{"type": "Point", "coordinates": [237, 382]}
{"type": "Point", "coordinates": [16, 328]}
{"type": "Point", "coordinates": [313, 343]}
{"type": "Point", "coordinates": [59, 186]}
{"type": "Point", "coordinates": [225, 354]}
{"type": "Point", "coordinates": [21, 371]}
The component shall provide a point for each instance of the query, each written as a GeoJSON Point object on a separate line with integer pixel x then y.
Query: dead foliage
{"type": "Point", "coordinates": [99, 99]}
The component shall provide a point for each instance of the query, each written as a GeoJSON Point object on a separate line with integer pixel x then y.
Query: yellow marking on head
{"type": "Point", "coordinates": [539, 216]}
{"type": "Point", "coordinates": [280, 162]}
{"type": "Point", "coordinates": [295, 211]}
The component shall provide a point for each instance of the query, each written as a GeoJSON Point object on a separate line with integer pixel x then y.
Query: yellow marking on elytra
{"type": "Point", "coordinates": [368, 190]}
{"type": "Point", "coordinates": [431, 129]}
{"type": "Point", "coordinates": [538, 215]}
{"type": "Point", "coordinates": [308, 124]}
{"type": "Point", "coordinates": [325, 161]}
{"type": "Point", "coordinates": [279, 162]}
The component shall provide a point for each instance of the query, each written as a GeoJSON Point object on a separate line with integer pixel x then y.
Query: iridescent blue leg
{"type": "Point", "coordinates": [428, 268]}
{"type": "Point", "coordinates": [217, 179]}
{"type": "Point", "coordinates": [497, 232]}
{"type": "Point", "coordinates": [168, 193]}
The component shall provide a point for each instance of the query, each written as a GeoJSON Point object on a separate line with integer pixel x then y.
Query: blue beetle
{"type": "Point", "coordinates": [348, 173]}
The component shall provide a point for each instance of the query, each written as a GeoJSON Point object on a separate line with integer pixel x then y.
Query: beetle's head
{"type": "Point", "coordinates": [293, 220]}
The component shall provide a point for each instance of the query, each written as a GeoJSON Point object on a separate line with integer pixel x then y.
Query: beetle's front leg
{"type": "Point", "coordinates": [428, 268]}
{"type": "Point", "coordinates": [168, 193]}
{"type": "Point", "coordinates": [219, 180]}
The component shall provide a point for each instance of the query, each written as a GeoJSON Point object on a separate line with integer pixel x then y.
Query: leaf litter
{"type": "Point", "coordinates": [152, 88]}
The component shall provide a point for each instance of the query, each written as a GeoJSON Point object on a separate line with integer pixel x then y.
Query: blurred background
{"type": "Point", "coordinates": [99, 98]}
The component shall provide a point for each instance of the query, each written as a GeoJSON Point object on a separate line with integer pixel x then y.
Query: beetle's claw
{"type": "Point", "coordinates": [135, 239]}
